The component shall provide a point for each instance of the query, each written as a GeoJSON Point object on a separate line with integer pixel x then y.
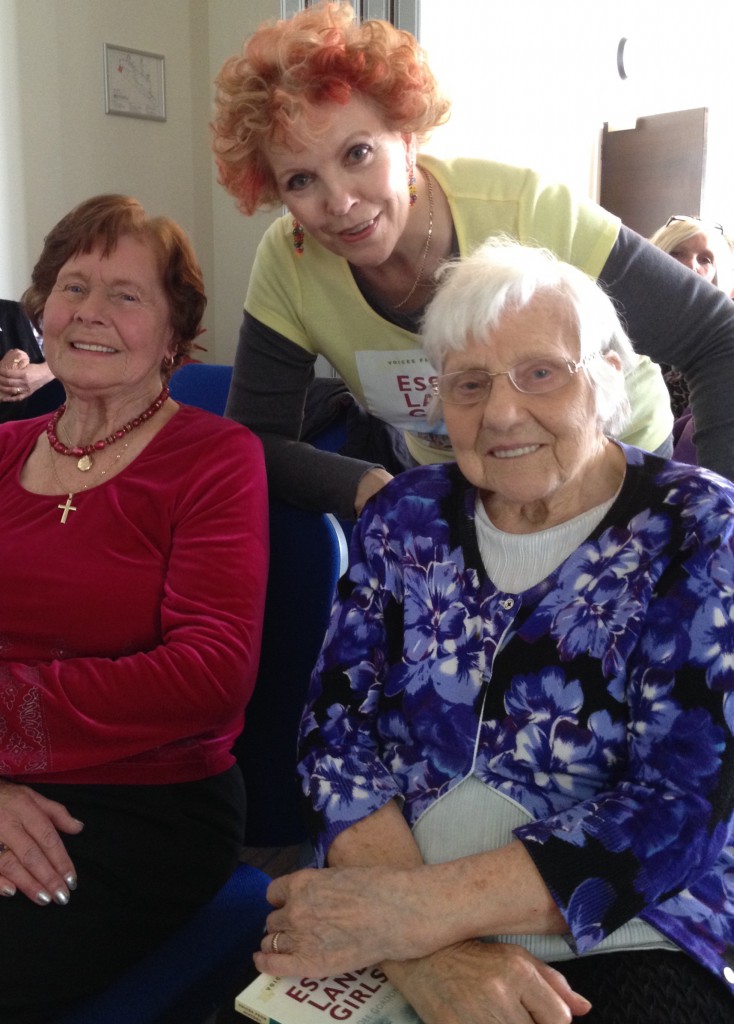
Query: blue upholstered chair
{"type": "Point", "coordinates": [205, 385]}
{"type": "Point", "coordinates": [198, 970]}
{"type": "Point", "coordinates": [307, 556]}
{"type": "Point", "coordinates": [308, 553]}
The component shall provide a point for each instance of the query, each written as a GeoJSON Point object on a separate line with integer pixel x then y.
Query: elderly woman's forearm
{"type": "Point", "coordinates": [381, 839]}
{"type": "Point", "coordinates": [496, 892]}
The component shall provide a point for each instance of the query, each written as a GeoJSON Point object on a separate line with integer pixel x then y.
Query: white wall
{"type": "Point", "coordinates": [517, 83]}
{"type": "Point", "coordinates": [58, 146]}
{"type": "Point", "coordinates": [13, 249]}
{"type": "Point", "coordinates": [532, 83]}
{"type": "Point", "coordinates": [69, 148]}
{"type": "Point", "coordinates": [235, 236]}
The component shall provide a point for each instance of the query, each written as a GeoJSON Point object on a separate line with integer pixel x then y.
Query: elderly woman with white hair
{"type": "Point", "coordinates": [517, 748]}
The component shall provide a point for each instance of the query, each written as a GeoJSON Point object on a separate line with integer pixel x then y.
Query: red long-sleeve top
{"type": "Point", "coordinates": [130, 634]}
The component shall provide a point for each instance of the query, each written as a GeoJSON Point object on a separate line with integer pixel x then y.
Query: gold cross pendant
{"type": "Point", "coordinates": [66, 508]}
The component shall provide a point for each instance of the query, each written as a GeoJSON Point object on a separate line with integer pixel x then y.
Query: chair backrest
{"type": "Point", "coordinates": [308, 553]}
{"type": "Point", "coordinates": [307, 556]}
{"type": "Point", "coordinates": [205, 385]}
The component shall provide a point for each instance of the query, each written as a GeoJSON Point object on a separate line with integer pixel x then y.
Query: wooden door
{"type": "Point", "coordinates": [656, 169]}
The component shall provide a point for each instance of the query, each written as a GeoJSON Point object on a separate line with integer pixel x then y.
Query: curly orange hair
{"type": "Point", "coordinates": [288, 70]}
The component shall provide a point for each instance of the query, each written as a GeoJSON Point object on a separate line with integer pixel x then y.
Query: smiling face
{"type": "Point", "coordinates": [349, 186]}
{"type": "Point", "coordinates": [537, 459]}
{"type": "Point", "coordinates": [106, 323]}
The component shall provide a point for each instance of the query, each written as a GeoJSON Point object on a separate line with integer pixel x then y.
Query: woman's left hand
{"type": "Point", "coordinates": [339, 919]}
{"type": "Point", "coordinates": [19, 378]}
{"type": "Point", "coordinates": [33, 858]}
{"type": "Point", "coordinates": [478, 982]}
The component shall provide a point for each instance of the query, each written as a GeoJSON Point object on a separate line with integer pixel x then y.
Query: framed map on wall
{"type": "Point", "coordinates": [135, 83]}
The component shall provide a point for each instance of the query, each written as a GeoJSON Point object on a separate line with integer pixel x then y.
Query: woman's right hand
{"type": "Point", "coordinates": [478, 982]}
{"type": "Point", "coordinates": [372, 482]}
{"type": "Point", "coordinates": [33, 858]}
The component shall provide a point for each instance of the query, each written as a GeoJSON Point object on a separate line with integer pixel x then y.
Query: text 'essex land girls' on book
{"type": "Point", "coordinates": [360, 997]}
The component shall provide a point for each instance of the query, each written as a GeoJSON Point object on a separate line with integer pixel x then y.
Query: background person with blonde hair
{"type": "Point", "coordinates": [701, 246]}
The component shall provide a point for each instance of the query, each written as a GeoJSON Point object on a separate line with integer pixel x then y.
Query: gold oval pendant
{"type": "Point", "coordinates": [85, 463]}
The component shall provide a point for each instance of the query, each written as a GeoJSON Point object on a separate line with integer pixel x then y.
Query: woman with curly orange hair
{"type": "Point", "coordinates": [325, 115]}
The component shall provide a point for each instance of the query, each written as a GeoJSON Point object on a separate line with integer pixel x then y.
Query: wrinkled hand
{"type": "Point", "coordinates": [19, 378]}
{"type": "Point", "coordinates": [486, 983]}
{"type": "Point", "coordinates": [33, 858]}
{"type": "Point", "coordinates": [340, 919]}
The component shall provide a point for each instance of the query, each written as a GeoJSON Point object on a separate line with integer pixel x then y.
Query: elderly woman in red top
{"type": "Point", "coordinates": [134, 556]}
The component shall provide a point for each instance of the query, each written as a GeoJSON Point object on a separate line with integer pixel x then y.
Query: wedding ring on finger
{"type": "Point", "coordinates": [17, 391]}
{"type": "Point", "coordinates": [274, 941]}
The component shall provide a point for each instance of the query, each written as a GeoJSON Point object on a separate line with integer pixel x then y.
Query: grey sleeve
{"type": "Point", "coordinates": [675, 317]}
{"type": "Point", "coordinates": [270, 382]}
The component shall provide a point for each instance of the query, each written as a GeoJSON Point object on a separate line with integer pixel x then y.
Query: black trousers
{"type": "Point", "coordinates": [648, 987]}
{"type": "Point", "coordinates": [146, 859]}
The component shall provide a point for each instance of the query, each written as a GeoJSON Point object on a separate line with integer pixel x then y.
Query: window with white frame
{"type": "Point", "coordinates": [401, 13]}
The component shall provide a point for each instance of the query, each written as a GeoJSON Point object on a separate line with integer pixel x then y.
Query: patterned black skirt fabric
{"type": "Point", "coordinates": [648, 987]}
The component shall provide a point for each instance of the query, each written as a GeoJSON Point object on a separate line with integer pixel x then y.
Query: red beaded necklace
{"type": "Point", "coordinates": [83, 452]}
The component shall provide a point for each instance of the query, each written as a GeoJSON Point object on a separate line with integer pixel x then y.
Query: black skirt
{"type": "Point", "coordinates": [648, 987]}
{"type": "Point", "coordinates": [147, 858]}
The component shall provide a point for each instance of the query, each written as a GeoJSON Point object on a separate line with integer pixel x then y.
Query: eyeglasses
{"type": "Point", "coordinates": [534, 377]}
{"type": "Point", "coordinates": [682, 217]}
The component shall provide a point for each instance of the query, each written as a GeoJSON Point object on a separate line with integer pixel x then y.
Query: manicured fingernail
{"type": "Point", "coordinates": [61, 897]}
{"type": "Point", "coordinates": [8, 890]}
{"type": "Point", "coordinates": [70, 881]}
{"type": "Point", "coordinates": [43, 897]}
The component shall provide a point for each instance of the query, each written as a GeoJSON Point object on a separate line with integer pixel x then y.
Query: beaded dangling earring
{"type": "Point", "coordinates": [297, 237]}
{"type": "Point", "coordinates": [412, 186]}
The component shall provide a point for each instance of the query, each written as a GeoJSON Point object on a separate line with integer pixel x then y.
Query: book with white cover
{"type": "Point", "coordinates": [360, 997]}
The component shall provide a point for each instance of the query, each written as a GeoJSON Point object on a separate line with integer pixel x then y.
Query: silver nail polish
{"type": "Point", "coordinates": [61, 897]}
{"type": "Point", "coordinates": [43, 898]}
{"type": "Point", "coordinates": [8, 890]}
{"type": "Point", "coordinates": [70, 881]}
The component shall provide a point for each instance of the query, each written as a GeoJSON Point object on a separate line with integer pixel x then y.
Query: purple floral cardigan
{"type": "Point", "coordinates": [601, 699]}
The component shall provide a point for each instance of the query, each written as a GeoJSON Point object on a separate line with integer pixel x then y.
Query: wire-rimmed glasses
{"type": "Point", "coordinates": [532, 377]}
{"type": "Point", "coordinates": [684, 218]}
